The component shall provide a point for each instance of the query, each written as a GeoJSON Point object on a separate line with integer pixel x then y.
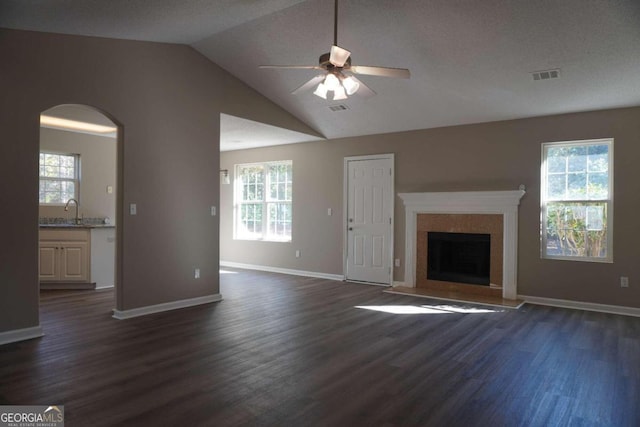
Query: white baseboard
{"type": "Point", "coordinates": [20, 334]}
{"type": "Point", "coordinates": [104, 286]}
{"type": "Point", "coordinates": [396, 283]}
{"type": "Point", "coordinates": [173, 305]}
{"type": "Point", "coordinates": [581, 305]}
{"type": "Point", "coordinates": [304, 273]}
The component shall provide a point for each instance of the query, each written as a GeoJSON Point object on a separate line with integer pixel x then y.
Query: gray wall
{"type": "Point", "coordinates": [491, 156]}
{"type": "Point", "coordinates": [167, 100]}
{"type": "Point", "coordinates": [98, 166]}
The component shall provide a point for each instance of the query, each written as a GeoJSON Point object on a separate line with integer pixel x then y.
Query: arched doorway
{"type": "Point", "coordinates": [79, 199]}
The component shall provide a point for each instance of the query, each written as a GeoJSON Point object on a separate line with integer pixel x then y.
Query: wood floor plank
{"type": "Point", "coordinates": [293, 351]}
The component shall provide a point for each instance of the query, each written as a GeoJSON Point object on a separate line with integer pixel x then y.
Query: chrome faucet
{"type": "Point", "coordinates": [66, 209]}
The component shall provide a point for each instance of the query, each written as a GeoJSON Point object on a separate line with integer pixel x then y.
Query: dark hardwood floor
{"type": "Point", "coordinates": [291, 351]}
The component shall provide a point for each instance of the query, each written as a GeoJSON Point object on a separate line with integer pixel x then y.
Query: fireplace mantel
{"type": "Point", "coordinates": [466, 202]}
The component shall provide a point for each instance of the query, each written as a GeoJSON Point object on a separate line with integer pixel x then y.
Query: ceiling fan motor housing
{"type": "Point", "coordinates": [327, 65]}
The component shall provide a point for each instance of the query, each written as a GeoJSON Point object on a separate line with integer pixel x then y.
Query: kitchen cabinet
{"type": "Point", "coordinates": [65, 255]}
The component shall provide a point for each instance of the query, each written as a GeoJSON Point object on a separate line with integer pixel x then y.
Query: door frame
{"type": "Point", "coordinates": [345, 210]}
{"type": "Point", "coordinates": [119, 199]}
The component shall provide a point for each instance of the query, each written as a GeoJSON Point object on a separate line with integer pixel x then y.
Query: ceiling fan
{"type": "Point", "coordinates": [337, 76]}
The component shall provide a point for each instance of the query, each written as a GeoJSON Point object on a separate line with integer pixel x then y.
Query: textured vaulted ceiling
{"type": "Point", "coordinates": [470, 60]}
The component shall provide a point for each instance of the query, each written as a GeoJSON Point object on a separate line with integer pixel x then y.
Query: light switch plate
{"type": "Point", "coordinates": [133, 209]}
{"type": "Point", "coordinates": [213, 211]}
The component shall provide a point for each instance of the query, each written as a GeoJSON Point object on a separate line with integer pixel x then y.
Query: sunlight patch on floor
{"type": "Point", "coordinates": [426, 309]}
{"type": "Point", "coordinates": [458, 309]}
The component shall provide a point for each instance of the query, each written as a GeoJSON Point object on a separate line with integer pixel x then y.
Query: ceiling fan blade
{"type": "Point", "coordinates": [296, 67]}
{"type": "Point", "coordinates": [339, 56]}
{"type": "Point", "coordinates": [308, 85]}
{"type": "Point", "coordinates": [363, 90]}
{"type": "Point", "coordinates": [401, 73]}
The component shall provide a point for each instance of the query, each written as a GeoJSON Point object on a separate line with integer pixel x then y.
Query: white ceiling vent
{"type": "Point", "coordinates": [546, 74]}
{"type": "Point", "coordinates": [339, 107]}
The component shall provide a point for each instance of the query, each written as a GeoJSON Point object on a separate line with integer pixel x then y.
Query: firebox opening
{"type": "Point", "coordinates": [459, 257]}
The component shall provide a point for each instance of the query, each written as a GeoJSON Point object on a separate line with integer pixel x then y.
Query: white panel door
{"type": "Point", "coordinates": [369, 205]}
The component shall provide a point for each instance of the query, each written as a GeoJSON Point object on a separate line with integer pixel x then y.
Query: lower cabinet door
{"type": "Point", "coordinates": [74, 262]}
{"type": "Point", "coordinates": [48, 262]}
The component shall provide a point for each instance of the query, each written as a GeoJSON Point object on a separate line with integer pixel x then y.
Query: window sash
{"type": "Point", "coordinates": [577, 228]}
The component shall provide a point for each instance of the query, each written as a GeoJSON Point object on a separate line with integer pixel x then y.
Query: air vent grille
{"type": "Point", "coordinates": [340, 107]}
{"type": "Point", "coordinates": [546, 74]}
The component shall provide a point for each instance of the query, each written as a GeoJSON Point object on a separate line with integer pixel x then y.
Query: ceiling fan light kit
{"type": "Point", "coordinates": [321, 91]}
{"type": "Point", "coordinates": [337, 77]}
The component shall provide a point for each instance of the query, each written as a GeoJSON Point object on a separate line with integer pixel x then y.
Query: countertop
{"type": "Point", "coordinates": [67, 223]}
{"type": "Point", "coordinates": [67, 226]}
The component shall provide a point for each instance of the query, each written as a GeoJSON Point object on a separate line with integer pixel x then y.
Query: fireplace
{"type": "Point", "coordinates": [464, 212]}
{"type": "Point", "coordinates": [464, 236]}
{"type": "Point", "coordinates": [459, 257]}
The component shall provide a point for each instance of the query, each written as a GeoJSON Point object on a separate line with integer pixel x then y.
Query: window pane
{"type": "Point", "coordinates": [576, 186]}
{"type": "Point", "coordinates": [279, 220]}
{"type": "Point", "coordinates": [68, 190]}
{"type": "Point", "coordinates": [556, 164]}
{"type": "Point", "coordinates": [67, 161]}
{"type": "Point", "coordinates": [556, 187]}
{"type": "Point", "coordinates": [250, 221]}
{"type": "Point", "coordinates": [42, 194]}
{"type": "Point", "coordinates": [598, 162]}
{"type": "Point", "coordinates": [252, 181]}
{"type": "Point", "coordinates": [598, 185]}
{"type": "Point", "coordinates": [53, 186]}
{"type": "Point", "coordinates": [51, 171]}
{"type": "Point", "coordinates": [280, 182]}
{"type": "Point", "coordinates": [577, 159]}
{"type": "Point", "coordinates": [595, 218]}
{"type": "Point", "coordinates": [66, 172]}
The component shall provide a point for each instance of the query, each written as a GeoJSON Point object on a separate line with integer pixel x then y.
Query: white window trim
{"type": "Point", "coordinates": [265, 223]}
{"type": "Point", "coordinates": [76, 178]}
{"type": "Point", "coordinates": [608, 201]}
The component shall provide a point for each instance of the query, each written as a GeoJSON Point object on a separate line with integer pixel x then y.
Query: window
{"type": "Point", "coordinates": [577, 200]}
{"type": "Point", "coordinates": [59, 178]}
{"type": "Point", "coordinates": [263, 193]}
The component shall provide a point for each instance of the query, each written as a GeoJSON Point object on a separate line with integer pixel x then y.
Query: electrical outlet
{"type": "Point", "coordinates": [397, 262]}
{"type": "Point", "coordinates": [624, 282]}
{"type": "Point", "coordinates": [196, 273]}
{"type": "Point", "coordinates": [298, 254]}
{"type": "Point", "coordinates": [109, 189]}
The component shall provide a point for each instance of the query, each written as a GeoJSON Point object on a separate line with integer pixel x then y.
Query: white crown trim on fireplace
{"type": "Point", "coordinates": [466, 202]}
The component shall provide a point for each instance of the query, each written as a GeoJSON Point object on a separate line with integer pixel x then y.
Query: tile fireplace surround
{"type": "Point", "coordinates": [504, 203]}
